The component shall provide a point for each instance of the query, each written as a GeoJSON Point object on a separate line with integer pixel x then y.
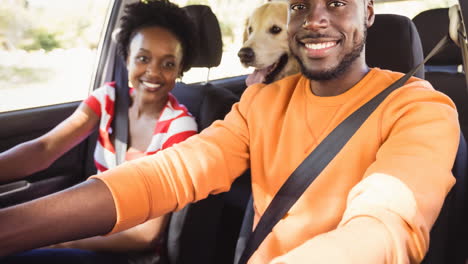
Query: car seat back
{"type": "Point", "coordinates": [206, 231]}
{"type": "Point", "coordinates": [442, 70]}
{"type": "Point", "coordinates": [393, 43]}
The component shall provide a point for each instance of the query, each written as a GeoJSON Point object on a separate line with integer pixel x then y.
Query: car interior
{"type": "Point", "coordinates": [208, 231]}
{"type": "Point", "coordinates": [442, 70]}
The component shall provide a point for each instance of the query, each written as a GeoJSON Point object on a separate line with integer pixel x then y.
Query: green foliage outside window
{"type": "Point", "coordinates": [41, 39]}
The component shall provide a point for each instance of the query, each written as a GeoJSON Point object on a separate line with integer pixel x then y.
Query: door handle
{"type": "Point", "coordinates": [9, 188]}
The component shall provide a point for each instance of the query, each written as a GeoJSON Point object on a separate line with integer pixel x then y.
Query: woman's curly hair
{"type": "Point", "coordinates": [160, 13]}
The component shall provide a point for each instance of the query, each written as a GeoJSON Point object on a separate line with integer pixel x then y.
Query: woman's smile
{"type": "Point", "coordinates": [151, 87]}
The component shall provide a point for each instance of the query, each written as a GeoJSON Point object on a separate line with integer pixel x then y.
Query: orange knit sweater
{"type": "Point", "coordinates": [374, 203]}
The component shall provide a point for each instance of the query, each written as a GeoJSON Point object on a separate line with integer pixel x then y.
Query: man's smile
{"type": "Point", "coordinates": [318, 46]}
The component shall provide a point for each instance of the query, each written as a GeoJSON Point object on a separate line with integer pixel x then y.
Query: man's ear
{"type": "Point", "coordinates": [370, 14]}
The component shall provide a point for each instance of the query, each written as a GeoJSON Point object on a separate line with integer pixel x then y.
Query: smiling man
{"type": "Point", "coordinates": [375, 202]}
{"type": "Point", "coordinates": [328, 40]}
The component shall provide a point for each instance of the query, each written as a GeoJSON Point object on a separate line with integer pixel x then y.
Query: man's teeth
{"type": "Point", "coordinates": [317, 46]}
{"type": "Point", "coordinates": [151, 85]}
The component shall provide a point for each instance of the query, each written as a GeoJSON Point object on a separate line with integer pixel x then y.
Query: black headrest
{"type": "Point", "coordinates": [433, 25]}
{"type": "Point", "coordinates": [209, 31]}
{"type": "Point", "coordinates": [393, 43]}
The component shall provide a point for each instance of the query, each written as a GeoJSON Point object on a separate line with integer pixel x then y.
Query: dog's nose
{"type": "Point", "coordinates": [246, 55]}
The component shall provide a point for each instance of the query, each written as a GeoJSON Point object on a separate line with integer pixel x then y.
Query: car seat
{"type": "Point", "coordinates": [442, 70]}
{"type": "Point", "coordinates": [393, 43]}
{"type": "Point", "coordinates": [207, 231]}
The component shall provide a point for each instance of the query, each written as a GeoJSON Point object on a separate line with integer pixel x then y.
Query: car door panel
{"type": "Point", "coordinates": [24, 125]}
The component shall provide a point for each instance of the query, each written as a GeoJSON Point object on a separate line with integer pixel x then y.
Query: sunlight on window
{"type": "Point", "coordinates": [48, 50]}
{"type": "Point", "coordinates": [412, 7]}
{"type": "Point", "coordinates": [231, 16]}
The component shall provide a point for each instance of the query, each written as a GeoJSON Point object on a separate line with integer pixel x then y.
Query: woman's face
{"type": "Point", "coordinates": [154, 62]}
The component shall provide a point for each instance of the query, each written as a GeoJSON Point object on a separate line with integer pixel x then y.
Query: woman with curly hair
{"type": "Point", "coordinates": [157, 40]}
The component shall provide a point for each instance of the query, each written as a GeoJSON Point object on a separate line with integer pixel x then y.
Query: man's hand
{"type": "Point", "coordinates": [82, 211]}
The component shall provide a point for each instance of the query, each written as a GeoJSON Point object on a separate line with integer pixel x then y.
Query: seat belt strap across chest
{"type": "Point", "coordinates": [120, 122]}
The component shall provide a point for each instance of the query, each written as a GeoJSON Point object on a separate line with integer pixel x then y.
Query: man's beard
{"type": "Point", "coordinates": [342, 67]}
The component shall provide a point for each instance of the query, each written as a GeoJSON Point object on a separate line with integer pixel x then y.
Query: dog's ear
{"type": "Point", "coordinates": [246, 30]}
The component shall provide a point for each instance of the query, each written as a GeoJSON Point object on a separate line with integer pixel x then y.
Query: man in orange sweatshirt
{"type": "Point", "coordinates": [386, 186]}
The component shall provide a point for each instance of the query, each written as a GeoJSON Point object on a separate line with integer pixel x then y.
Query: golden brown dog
{"type": "Point", "coordinates": [266, 44]}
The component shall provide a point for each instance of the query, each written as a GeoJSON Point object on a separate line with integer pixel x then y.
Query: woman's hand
{"type": "Point", "coordinates": [17, 163]}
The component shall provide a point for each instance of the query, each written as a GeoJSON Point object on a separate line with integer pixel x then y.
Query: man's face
{"type": "Point", "coordinates": [328, 36]}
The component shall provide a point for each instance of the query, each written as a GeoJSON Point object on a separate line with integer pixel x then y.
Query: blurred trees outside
{"type": "Point", "coordinates": [34, 25]}
{"type": "Point", "coordinates": [28, 25]}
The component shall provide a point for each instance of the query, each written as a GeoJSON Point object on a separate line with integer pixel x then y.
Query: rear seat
{"type": "Point", "coordinates": [441, 70]}
{"type": "Point", "coordinates": [393, 43]}
{"type": "Point", "coordinates": [207, 231]}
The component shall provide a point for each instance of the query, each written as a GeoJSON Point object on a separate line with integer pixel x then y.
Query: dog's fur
{"type": "Point", "coordinates": [264, 47]}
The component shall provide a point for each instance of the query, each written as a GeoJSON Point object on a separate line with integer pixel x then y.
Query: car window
{"type": "Point", "coordinates": [48, 50]}
{"type": "Point", "coordinates": [411, 8]}
{"type": "Point", "coordinates": [231, 15]}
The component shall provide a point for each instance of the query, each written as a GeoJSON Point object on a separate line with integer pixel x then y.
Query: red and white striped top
{"type": "Point", "coordinates": [174, 125]}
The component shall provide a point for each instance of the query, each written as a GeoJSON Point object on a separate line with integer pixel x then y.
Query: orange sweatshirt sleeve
{"type": "Point", "coordinates": [204, 164]}
{"type": "Point", "coordinates": [389, 214]}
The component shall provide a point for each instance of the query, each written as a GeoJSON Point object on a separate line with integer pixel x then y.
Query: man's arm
{"type": "Point", "coordinates": [64, 216]}
{"type": "Point", "coordinates": [140, 237]}
{"type": "Point", "coordinates": [378, 227]}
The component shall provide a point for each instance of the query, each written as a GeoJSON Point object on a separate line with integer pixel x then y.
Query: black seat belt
{"type": "Point", "coordinates": [122, 101]}
{"type": "Point", "coordinates": [317, 160]}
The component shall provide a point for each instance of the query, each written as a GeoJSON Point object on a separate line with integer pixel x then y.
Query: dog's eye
{"type": "Point", "coordinates": [275, 30]}
{"type": "Point", "coordinates": [250, 30]}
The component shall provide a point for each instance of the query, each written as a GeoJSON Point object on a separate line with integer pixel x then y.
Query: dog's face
{"type": "Point", "coordinates": [266, 41]}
